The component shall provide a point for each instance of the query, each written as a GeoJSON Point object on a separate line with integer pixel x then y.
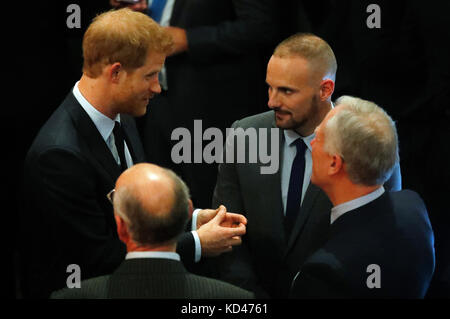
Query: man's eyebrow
{"type": "Point", "coordinates": [283, 87]}
{"type": "Point", "coordinates": [152, 72]}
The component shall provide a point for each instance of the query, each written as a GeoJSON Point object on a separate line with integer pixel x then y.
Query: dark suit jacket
{"type": "Point", "coordinates": [392, 232]}
{"type": "Point", "coordinates": [153, 278]}
{"type": "Point", "coordinates": [218, 80]}
{"type": "Point", "coordinates": [66, 217]}
{"type": "Point", "coordinates": [269, 259]}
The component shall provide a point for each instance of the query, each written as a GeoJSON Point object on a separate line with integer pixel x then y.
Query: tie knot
{"type": "Point", "coordinates": [117, 125]}
{"type": "Point", "coordinates": [118, 130]}
{"type": "Point", "coordinates": [300, 145]}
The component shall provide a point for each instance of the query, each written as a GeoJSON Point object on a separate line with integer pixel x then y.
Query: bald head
{"type": "Point", "coordinates": [153, 202]}
{"type": "Point", "coordinates": [151, 185]}
{"type": "Point", "coordinates": [318, 53]}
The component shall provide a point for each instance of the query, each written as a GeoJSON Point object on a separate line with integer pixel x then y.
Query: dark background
{"type": "Point", "coordinates": [403, 67]}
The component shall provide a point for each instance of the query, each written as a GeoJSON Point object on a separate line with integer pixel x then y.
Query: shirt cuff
{"type": "Point", "coordinates": [198, 247]}
{"type": "Point", "coordinates": [194, 219]}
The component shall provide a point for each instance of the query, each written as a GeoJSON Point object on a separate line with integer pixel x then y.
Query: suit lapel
{"type": "Point", "coordinates": [310, 196]}
{"type": "Point", "coordinates": [273, 186]}
{"type": "Point", "coordinates": [92, 138]}
{"type": "Point", "coordinates": [132, 139]}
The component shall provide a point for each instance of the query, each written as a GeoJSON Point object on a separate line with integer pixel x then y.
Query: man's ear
{"type": "Point", "coordinates": [336, 165]}
{"type": "Point", "coordinates": [191, 208]}
{"type": "Point", "coordinates": [115, 71]}
{"type": "Point", "coordinates": [122, 229]}
{"type": "Point", "coordinates": [326, 89]}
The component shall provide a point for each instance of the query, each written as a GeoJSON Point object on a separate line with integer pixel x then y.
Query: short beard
{"type": "Point", "coordinates": [310, 117]}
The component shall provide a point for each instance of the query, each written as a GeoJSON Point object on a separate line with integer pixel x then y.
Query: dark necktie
{"type": "Point", "coordinates": [156, 9]}
{"type": "Point", "coordinates": [120, 141]}
{"type": "Point", "coordinates": [295, 186]}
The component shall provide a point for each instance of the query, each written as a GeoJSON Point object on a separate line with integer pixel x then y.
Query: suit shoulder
{"type": "Point", "coordinates": [208, 288]}
{"type": "Point", "coordinates": [94, 288]}
{"type": "Point", "coordinates": [407, 201]}
{"type": "Point", "coordinates": [406, 195]}
{"type": "Point", "coordinates": [60, 129]}
{"type": "Point", "coordinates": [265, 119]}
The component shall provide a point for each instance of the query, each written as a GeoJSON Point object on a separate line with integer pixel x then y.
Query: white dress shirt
{"type": "Point", "coordinates": [289, 153]}
{"type": "Point", "coordinates": [104, 125]}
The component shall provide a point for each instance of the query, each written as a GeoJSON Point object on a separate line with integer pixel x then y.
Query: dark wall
{"type": "Point", "coordinates": [403, 67]}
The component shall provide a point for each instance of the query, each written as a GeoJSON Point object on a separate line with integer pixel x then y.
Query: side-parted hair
{"type": "Point", "coordinates": [151, 228]}
{"type": "Point", "coordinates": [365, 136]}
{"type": "Point", "coordinates": [123, 36]}
{"type": "Point", "coordinates": [312, 48]}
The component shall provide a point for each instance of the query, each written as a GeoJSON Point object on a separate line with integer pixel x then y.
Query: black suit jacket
{"type": "Point", "coordinates": [66, 217]}
{"type": "Point", "coordinates": [152, 278]}
{"type": "Point", "coordinates": [392, 232]}
{"type": "Point", "coordinates": [269, 259]}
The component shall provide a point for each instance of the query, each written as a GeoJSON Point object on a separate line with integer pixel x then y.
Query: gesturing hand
{"type": "Point", "coordinates": [230, 219]}
{"type": "Point", "coordinates": [219, 231]}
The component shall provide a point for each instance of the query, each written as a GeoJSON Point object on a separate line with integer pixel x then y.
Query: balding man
{"type": "Point", "coordinates": [380, 243]}
{"type": "Point", "coordinates": [151, 207]}
{"type": "Point", "coordinates": [288, 218]}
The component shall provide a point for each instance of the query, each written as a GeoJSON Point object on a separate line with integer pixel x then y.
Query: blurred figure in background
{"type": "Point", "coordinates": [136, 5]}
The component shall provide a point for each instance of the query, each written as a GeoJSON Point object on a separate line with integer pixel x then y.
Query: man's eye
{"type": "Point", "coordinates": [152, 75]}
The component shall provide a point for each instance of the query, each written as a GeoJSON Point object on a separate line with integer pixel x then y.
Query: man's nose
{"type": "Point", "coordinates": [155, 87]}
{"type": "Point", "coordinates": [273, 100]}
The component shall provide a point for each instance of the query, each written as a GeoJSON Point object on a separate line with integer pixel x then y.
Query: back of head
{"type": "Point", "coordinates": [154, 204]}
{"type": "Point", "coordinates": [313, 49]}
{"type": "Point", "coordinates": [123, 36]}
{"type": "Point", "coordinates": [365, 136]}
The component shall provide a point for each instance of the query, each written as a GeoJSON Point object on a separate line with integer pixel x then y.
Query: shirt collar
{"type": "Point", "coordinates": [291, 136]}
{"type": "Point", "coordinates": [103, 123]}
{"type": "Point", "coordinates": [343, 208]}
{"type": "Point", "coordinates": [153, 254]}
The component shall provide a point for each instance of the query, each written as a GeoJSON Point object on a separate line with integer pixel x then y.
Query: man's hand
{"type": "Point", "coordinates": [219, 231]}
{"type": "Point", "coordinates": [179, 37]}
{"type": "Point", "coordinates": [230, 220]}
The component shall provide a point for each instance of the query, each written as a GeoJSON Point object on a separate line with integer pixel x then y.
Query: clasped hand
{"type": "Point", "coordinates": [219, 230]}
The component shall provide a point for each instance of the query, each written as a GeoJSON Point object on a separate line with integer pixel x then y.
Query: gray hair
{"type": "Point", "coordinates": [150, 228]}
{"type": "Point", "coordinates": [365, 136]}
